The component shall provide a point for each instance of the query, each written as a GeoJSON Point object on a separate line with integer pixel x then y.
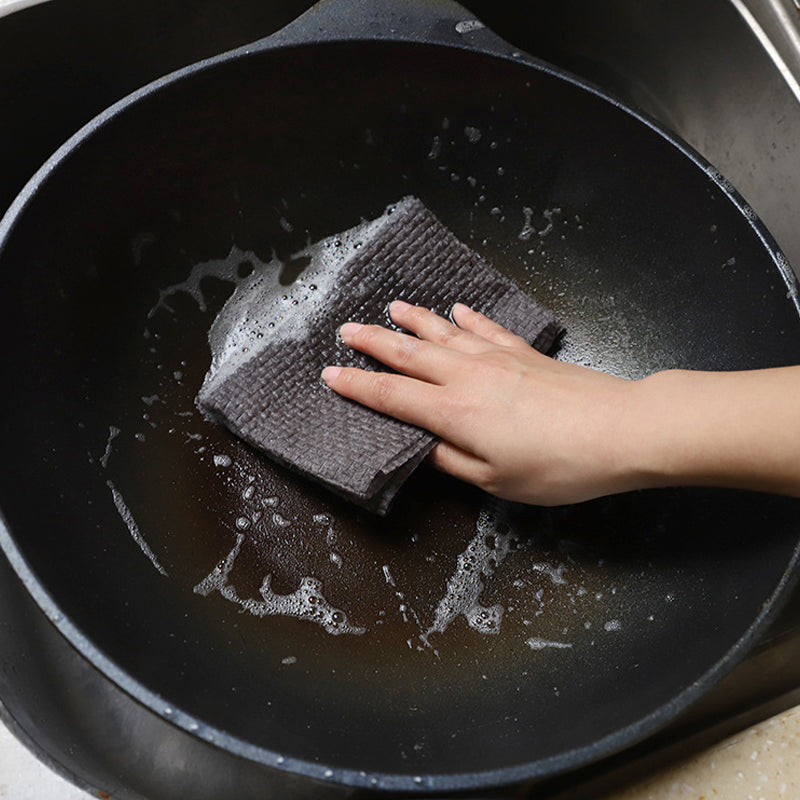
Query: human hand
{"type": "Point", "coordinates": [512, 421]}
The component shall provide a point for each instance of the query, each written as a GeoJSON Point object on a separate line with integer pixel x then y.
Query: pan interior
{"type": "Point", "coordinates": [470, 635]}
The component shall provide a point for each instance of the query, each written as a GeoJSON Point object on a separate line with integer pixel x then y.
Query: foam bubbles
{"type": "Point", "coordinates": [473, 134]}
{"type": "Point", "coordinates": [527, 228]}
{"type": "Point", "coordinates": [535, 643]}
{"type": "Point", "coordinates": [133, 528]}
{"type": "Point", "coordinates": [468, 25]}
{"type": "Point", "coordinates": [113, 432]}
{"type": "Point", "coordinates": [388, 575]}
{"type": "Point", "coordinates": [262, 309]}
{"type": "Point", "coordinates": [224, 269]}
{"type": "Point", "coordinates": [307, 602]}
{"type": "Point", "coordinates": [485, 620]}
{"type": "Point", "coordinates": [485, 552]}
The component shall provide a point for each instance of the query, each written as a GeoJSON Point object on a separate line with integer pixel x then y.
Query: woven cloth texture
{"type": "Point", "coordinates": [277, 402]}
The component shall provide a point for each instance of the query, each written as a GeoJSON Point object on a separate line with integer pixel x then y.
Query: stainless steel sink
{"type": "Point", "coordinates": [723, 74]}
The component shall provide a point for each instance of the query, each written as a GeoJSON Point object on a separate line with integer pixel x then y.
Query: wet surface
{"type": "Point", "coordinates": [404, 580]}
{"type": "Point", "coordinates": [124, 480]}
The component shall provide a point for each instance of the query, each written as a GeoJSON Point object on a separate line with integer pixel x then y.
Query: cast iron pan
{"type": "Point", "coordinates": [142, 530]}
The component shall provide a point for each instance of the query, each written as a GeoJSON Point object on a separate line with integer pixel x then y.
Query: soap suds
{"type": "Point", "coordinates": [261, 309]}
{"type": "Point", "coordinates": [484, 554]}
{"type": "Point", "coordinates": [535, 643]}
{"type": "Point", "coordinates": [130, 522]}
{"type": "Point", "coordinates": [307, 602]}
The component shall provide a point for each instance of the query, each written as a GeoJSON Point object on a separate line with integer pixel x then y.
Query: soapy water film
{"type": "Point", "coordinates": [487, 550]}
{"type": "Point", "coordinates": [492, 541]}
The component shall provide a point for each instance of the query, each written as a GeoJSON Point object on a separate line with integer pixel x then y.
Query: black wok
{"type": "Point", "coordinates": [123, 509]}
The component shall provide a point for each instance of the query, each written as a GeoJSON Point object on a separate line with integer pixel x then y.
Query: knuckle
{"type": "Point", "coordinates": [452, 409]}
{"type": "Point", "coordinates": [382, 389]}
{"type": "Point", "coordinates": [506, 361]}
{"type": "Point", "coordinates": [413, 315]}
{"type": "Point", "coordinates": [405, 350]}
{"type": "Point", "coordinates": [447, 332]}
{"type": "Point", "coordinates": [486, 369]}
{"type": "Point", "coordinates": [516, 342]}
{"type": "Point", "coordinates": [505, 338]}
{"type": "Point", "coordinates": [346, 379]}
{"type": "Point", "coordinates": [366, 335]}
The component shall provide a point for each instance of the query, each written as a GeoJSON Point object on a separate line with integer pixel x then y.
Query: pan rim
{"type": "Point", "coordinates": [533, 770]}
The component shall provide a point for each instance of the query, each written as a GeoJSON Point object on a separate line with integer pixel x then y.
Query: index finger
{"type": "Point", "coordinates": [407, 399]}
{"type": "Point", "coordinates": [407, 354]}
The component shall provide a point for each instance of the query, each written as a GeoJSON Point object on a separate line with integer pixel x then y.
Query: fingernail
{"type": "Point", "coordinates": [463, 306]}
{"type": "Point", "coordinates": [349, 329]}
{"type": "Point", "coordinates": [330, 374]}
{"type": "Point", "coordinates": [398, 306]}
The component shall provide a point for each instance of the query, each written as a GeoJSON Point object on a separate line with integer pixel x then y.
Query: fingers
{"type": "Point", "coordinates": [459, 463]}
{"type": "Point", "coordinates": [469, 335]}
{"type": "Point", "coordinates": [407, 354]}
{"type": "Point", "coordinates": [432, 328]}
{"type": "Point", "coordinates": [399, 396]}
{"type": "Point", "coordinates": [473, 321]}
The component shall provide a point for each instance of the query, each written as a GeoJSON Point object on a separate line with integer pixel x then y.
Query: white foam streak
{"type": "Point", "coordinates": [128, 519]}
{"type": "Point", "coordinates": [487, 550]}
{"type": "Point", "coordinates": [307, 602]}
{"type": "Point", "coordinates": [535, 643]}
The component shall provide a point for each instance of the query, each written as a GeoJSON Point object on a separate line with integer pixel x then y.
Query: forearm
{"type": "Point", "coordinates": [732, 429]}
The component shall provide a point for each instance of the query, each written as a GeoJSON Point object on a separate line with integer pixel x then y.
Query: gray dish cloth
{"type": "Point", "coordinates": [265, 385]}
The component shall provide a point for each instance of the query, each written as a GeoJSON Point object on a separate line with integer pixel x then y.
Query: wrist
{"type": "Point", "coordinates": [672, 431]}
{"type": "Point", "coordinates": [725, 429]}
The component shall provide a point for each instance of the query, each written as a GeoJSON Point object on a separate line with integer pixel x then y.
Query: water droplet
{"type": "Point", "coordinates": [467, 25]}
{"type": "Point", "coordinates": [473, 134]}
